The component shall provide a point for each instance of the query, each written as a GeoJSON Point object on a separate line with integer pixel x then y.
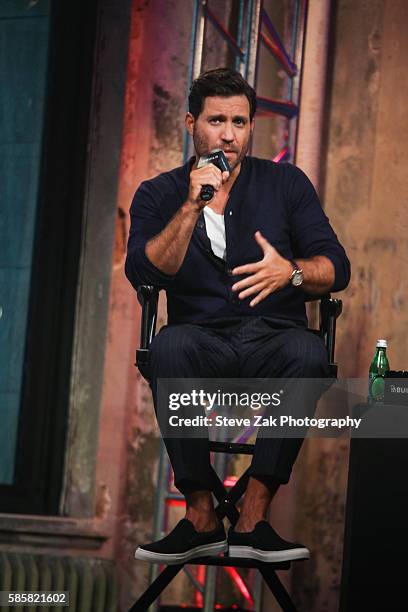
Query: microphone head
{"type": "Point", "coordinates": [216, 157]}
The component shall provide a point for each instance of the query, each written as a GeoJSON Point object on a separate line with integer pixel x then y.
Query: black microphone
{"type": "Point", "coordinates": [216, 157]}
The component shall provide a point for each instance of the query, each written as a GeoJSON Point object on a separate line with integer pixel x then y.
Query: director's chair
{"type": "Point", "coordinates": [329, 310]}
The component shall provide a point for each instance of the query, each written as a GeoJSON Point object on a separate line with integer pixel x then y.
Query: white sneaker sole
{"type": "Point", "coordinates": [207, 550]}
{"type": "Point", "coordinates": [269, 556]}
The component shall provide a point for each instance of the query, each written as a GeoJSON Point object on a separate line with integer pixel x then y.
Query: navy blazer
{"type": "Point", "coordinates": [277, 199]}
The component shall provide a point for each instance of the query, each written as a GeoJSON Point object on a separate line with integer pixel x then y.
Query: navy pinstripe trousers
{"type": "Point", "coordinates": [247, 347]}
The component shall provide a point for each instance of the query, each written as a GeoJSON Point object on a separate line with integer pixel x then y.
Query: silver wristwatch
{"type": "Point", "coordinates": [296, 278]}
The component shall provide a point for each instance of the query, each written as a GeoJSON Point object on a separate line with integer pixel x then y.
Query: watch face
{"type": "Point", "coordinates": [297, 279]}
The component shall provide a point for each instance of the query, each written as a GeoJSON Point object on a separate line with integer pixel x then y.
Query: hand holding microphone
{"type": "Point", "coordinates": [208, 177]}
{"type": "Point", "coordinates": [218, 159]}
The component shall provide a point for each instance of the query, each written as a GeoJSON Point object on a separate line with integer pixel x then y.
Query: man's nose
{"type": "Point", "coordinates": [227, 134]}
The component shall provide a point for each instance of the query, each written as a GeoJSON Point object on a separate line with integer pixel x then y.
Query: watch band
{"type": "Point", "coordinates": [296, 278]}
{"type": "Point", "coordinates": [295, 266]}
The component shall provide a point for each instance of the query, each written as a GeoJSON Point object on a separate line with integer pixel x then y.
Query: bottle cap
{"type": "Point", "coordinates": [382, 343]}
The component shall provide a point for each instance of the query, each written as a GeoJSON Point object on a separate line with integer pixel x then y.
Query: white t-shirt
{"type": "Point", "coordinates": [215, 227]}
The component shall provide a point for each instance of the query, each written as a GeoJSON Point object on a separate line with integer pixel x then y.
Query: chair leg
{"type": "Point", "coordinates": [227, 500]}
{"type": "Point", "coordinates": [156, 588]}
{"type": "Point", "coordinates": [278, 590]}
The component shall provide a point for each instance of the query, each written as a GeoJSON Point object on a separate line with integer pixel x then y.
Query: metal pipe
{"type": "Point", "coordinates": [276, 46]}
{"type": "Point", "coordinates": [275, 51]}
{"type": "Point", "coordinates": [239, 60]}
{"type": "Point", "coordinates": [252, 40]}
{"type": "Point", "coordinates": [229, 39]}
{"type": "Point", "coordinates": [196, 59]}
{"type": "Point", "coordinates": [310, 122]}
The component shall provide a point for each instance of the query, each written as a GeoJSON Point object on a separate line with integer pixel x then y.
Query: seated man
{"type": "Point", "coordinates": [236, 270]}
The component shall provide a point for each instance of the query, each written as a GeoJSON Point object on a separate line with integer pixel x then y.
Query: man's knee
{"type": "Point", "coordinates": [306, 356]}
{"type": "Point", "coordinates": [171, 350]}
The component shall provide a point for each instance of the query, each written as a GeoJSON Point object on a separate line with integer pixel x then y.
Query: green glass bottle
{"type": "Point", "coordinates": [379, 366]}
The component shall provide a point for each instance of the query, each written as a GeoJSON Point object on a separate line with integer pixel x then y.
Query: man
{"type": "Point", "coordinates": [236, 270]}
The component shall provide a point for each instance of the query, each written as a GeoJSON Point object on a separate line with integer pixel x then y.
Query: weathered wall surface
{"type": "Point", "coordinates": [364, 193]}
{"type": "Point", "coordinates": [366, 185]}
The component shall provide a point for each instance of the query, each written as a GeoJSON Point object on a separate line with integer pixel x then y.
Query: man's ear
{"type": "Point", "coordinates": [252, 126]}
{"type": "Point", "coordinates": [189, 122]}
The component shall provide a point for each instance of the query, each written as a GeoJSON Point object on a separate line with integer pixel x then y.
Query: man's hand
{"type": "Point", "coordinates": [167, 249]}
{"type": "Point", "coordinates": [273, 272]}
{"type": "Point", "coordinates": [207, 175]}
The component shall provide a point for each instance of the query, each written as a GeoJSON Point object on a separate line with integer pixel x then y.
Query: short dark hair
{"type": "Point", "coordinates": [219, 82]}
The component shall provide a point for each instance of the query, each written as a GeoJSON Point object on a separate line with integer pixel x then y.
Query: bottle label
{"type": "Point", "coordinates": [376, 387]}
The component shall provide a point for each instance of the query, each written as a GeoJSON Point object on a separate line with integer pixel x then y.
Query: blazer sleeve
{"type": "Point", "coordinates": [145, 223]}
{"type": "Point", "coordinates": [311, 232]}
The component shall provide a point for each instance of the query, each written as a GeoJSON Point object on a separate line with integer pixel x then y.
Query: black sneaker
{"type": "Point", "coordinates": [184, 543]}
{"type": "Point", "coordinates": [264, 544]}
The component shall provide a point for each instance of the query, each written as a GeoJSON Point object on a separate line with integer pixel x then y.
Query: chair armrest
{"type": "Point", "coordinates": [148, 297]}
{"type": "Point", "coordinates": [330, 310]}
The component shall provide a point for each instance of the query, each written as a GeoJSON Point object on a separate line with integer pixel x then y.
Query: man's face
{"type": "Point", "coordinates": [222, 124]}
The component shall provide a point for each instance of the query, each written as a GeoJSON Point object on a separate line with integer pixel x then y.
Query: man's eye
{"type": "Point", "coordinates": [215, 121]}
{"type": "Point", "coordinates": [239, 122]}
